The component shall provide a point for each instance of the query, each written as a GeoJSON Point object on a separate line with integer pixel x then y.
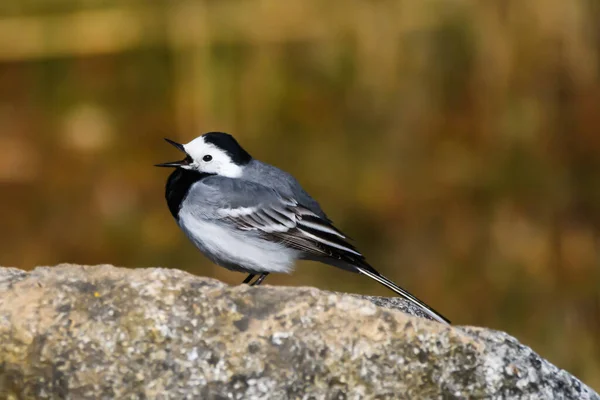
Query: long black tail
{"type": "Point", "coordinates": [398, 290]}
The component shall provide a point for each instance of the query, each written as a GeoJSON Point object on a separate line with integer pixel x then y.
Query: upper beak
{"type": "Point", "coordinates": [174, 164]}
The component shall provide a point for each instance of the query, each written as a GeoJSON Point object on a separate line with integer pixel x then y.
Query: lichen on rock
{"type": "Point", "coordinates": [100, 332]}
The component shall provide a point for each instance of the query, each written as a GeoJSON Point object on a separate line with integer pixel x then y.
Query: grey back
{"type": "Point", "coordinates": [282, 182]}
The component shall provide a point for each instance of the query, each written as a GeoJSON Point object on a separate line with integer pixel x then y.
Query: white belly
{"type": "Point", "coordinates": [237, 250]}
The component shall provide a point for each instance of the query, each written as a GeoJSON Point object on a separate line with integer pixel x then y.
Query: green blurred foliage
{"type": "Point", "coordinates": [456, 141]}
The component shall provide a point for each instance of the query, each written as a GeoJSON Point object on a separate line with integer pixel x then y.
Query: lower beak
{"type": "Point", "coordinates": [174, 164]}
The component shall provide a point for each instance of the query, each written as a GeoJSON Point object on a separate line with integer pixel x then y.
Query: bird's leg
{"type": "Point", "coordinates": [249, 278]}
{"type": "Point", "coordinates": [260, 279]}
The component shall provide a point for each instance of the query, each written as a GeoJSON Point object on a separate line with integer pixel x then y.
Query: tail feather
{"type": "Point", "coordinates": [371, 273]}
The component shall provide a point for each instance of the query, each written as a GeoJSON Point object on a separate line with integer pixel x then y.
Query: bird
{"type": "Point", "coordinates": [249, 216]}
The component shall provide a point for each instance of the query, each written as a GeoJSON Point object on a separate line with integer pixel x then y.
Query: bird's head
{"type": "Point", "coordinates": [212, 153]}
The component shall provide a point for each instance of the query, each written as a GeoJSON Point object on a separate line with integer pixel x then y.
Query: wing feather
{"type": "Point", "coordinates": [316, 223]}
{"type": "Point", "coordinates": [294, 226]}
{"type": "Point", "coordinates": [251, 207]}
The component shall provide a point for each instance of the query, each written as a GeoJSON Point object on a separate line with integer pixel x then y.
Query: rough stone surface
{"type": "Point", "coordinates": [100, 332]}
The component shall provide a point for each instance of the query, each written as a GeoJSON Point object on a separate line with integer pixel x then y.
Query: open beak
{"type": "Point", "coordinates": [175, 164]}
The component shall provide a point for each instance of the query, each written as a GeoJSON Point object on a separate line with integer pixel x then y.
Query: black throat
{"type": "Point", "coordinates": [178, 185]}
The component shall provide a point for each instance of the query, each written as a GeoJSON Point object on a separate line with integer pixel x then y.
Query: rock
{"type": "Point", "coordinates": [102, 332]}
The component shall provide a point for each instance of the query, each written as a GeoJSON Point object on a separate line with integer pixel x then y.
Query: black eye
{"type": "Point", "coordinates": [207, 158]}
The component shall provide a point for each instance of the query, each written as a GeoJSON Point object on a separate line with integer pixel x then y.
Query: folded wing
{"type": "Point", "coordinates": [284, 220]}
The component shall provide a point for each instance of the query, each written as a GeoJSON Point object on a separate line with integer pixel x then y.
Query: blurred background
{"type": "Point", "coordinates": [456, 141]}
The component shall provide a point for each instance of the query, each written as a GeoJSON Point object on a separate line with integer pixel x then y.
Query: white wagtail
{"type": "Point", "coordinates": [249, 216]}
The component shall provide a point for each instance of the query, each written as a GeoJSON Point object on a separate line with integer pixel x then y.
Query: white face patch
{"type": "Point", "coordinates": [211, 159]}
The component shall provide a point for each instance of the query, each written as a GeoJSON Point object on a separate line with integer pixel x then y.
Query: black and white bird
{"type": "Point", "coordinates": [249, 216]}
